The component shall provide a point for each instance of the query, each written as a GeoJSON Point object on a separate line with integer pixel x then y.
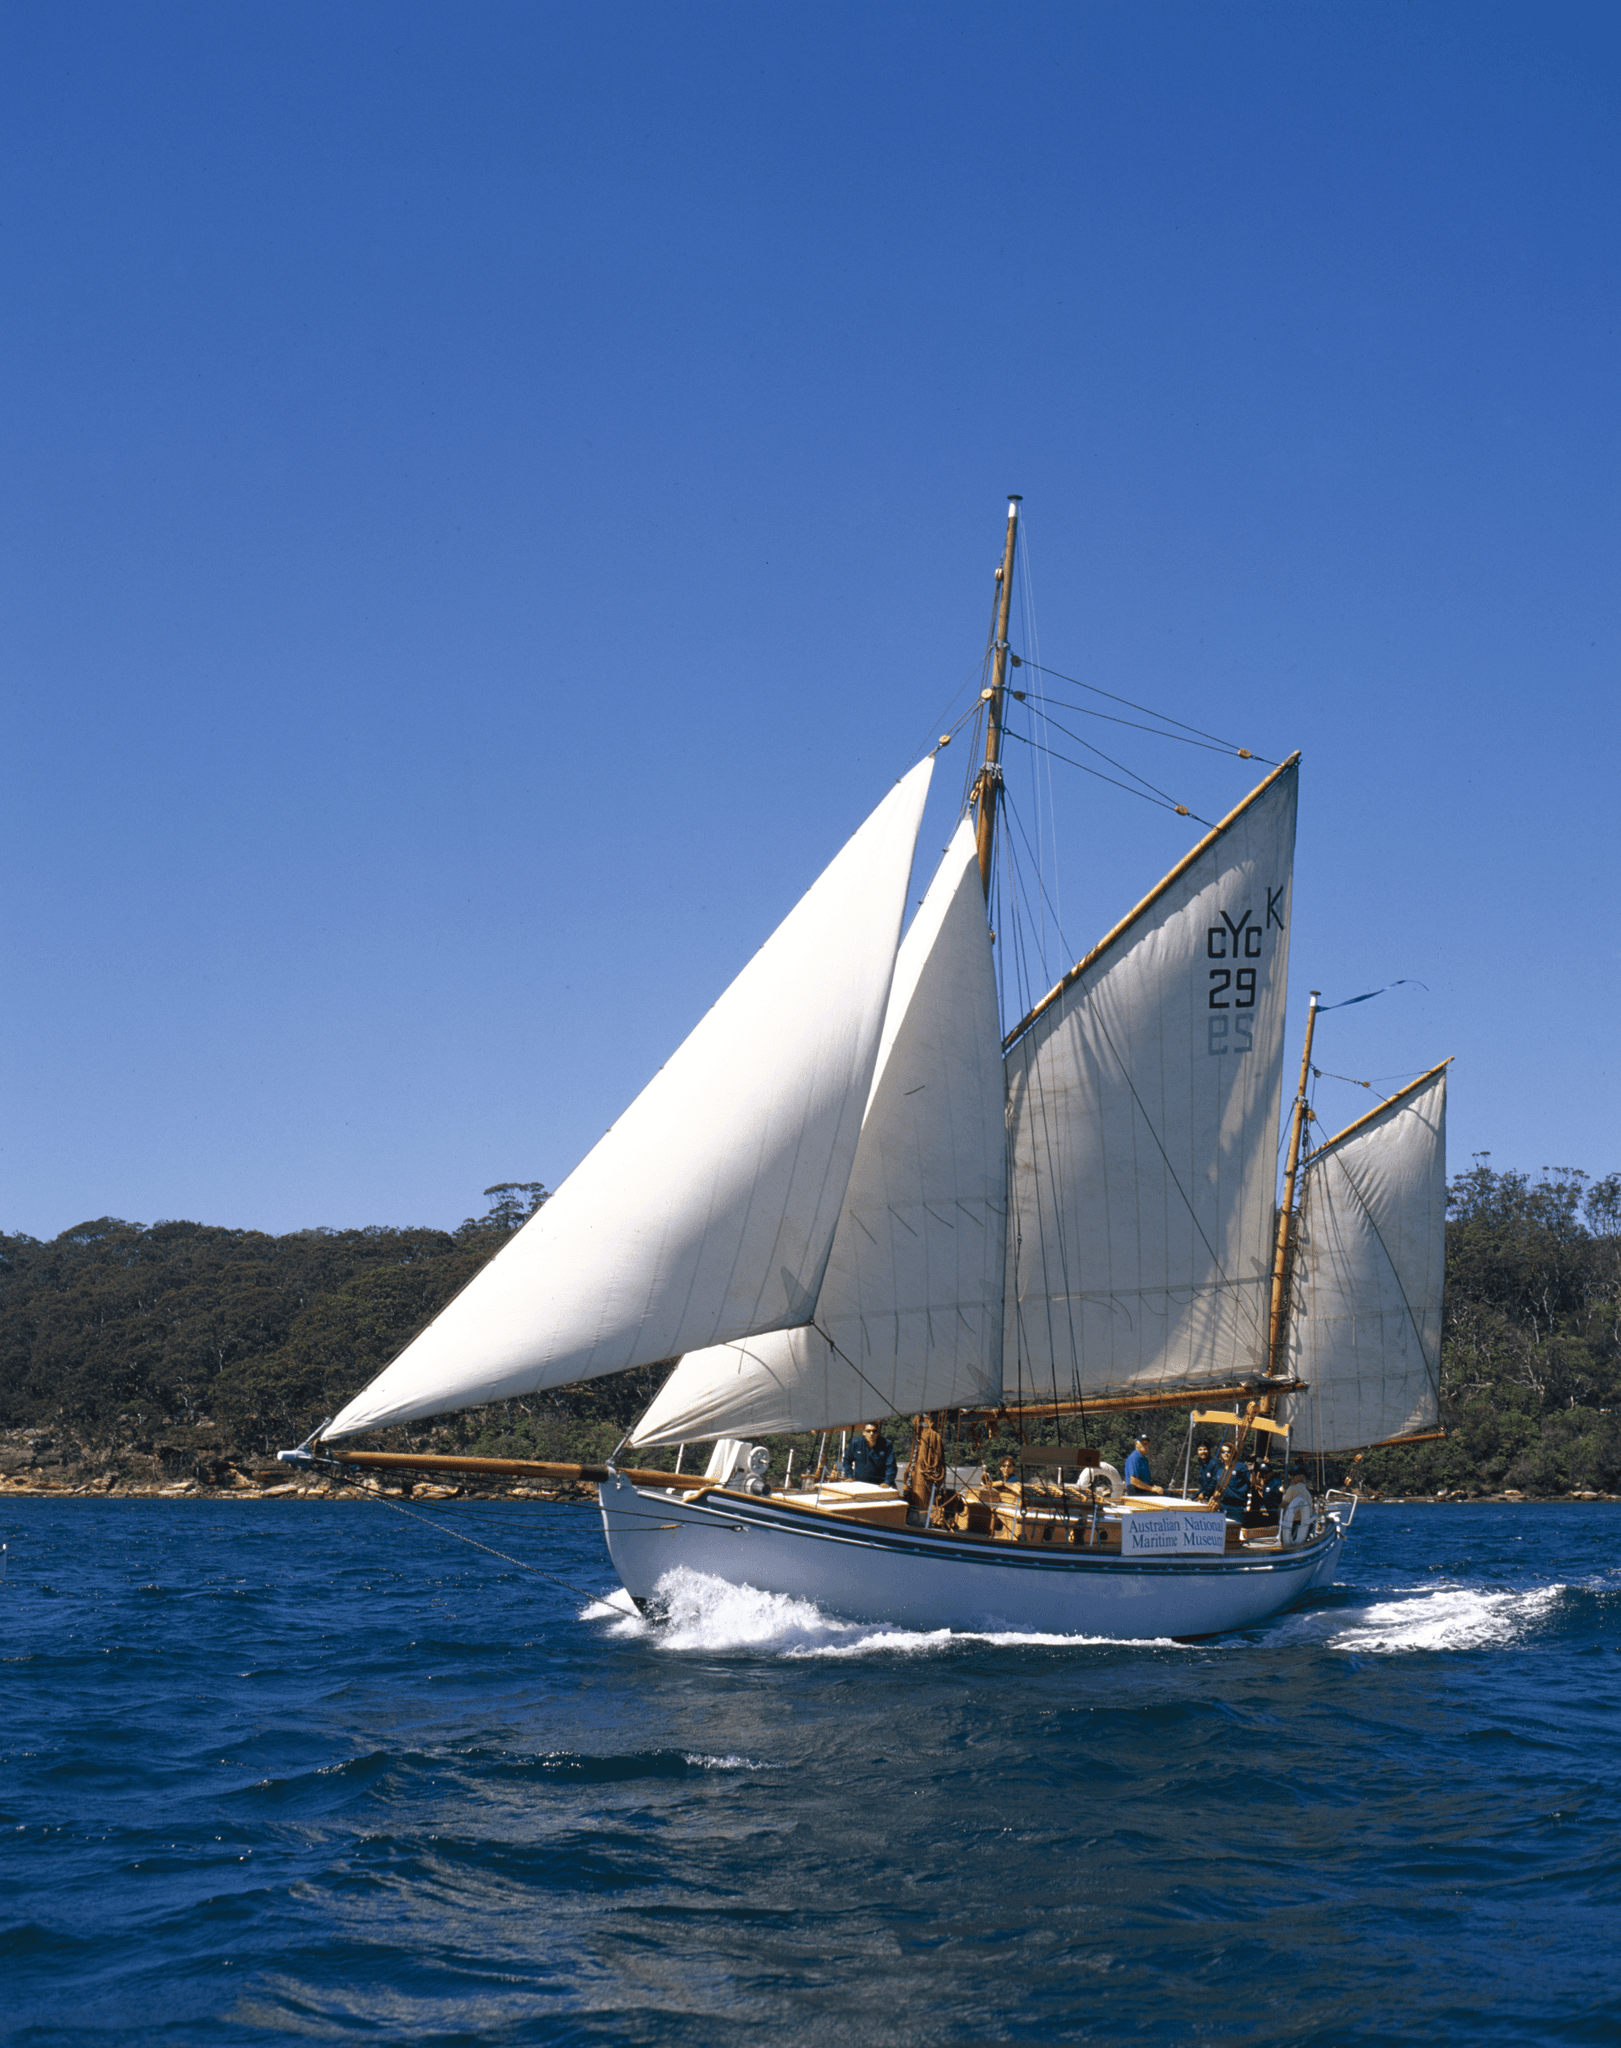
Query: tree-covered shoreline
{"type": "Point", "coordinates": [134, 1353]}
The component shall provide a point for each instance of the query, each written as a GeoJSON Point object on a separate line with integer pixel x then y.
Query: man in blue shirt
{"type": "Point", "coordinates": [1137, 1475]}
{"type": "Point", "coordinates": [1235, 1493]}
{"type": "Point", "coordinates": [871, 1457]}
{"type": "Point", "coordinates": [1209, 1472]}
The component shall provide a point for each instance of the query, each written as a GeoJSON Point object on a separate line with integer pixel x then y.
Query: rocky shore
{"type": "Point", "coordinates": [277, 1486]}
{"type": "Point", "coordinates": [41, 1462]}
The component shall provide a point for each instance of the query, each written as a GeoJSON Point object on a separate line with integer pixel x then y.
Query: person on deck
{"type": "Point", "coordinates": [1255, 1514]}
{"type": "Point", "coordinates": [1272, 1498]}
{"type": "Point", "coordinates": [1235, 1484]}
{"type": "Point", "coordinates": [1137, 1475]}
{"type": "Point", "coordinates": [870, 1457]}
{"type": "Point", "coordinates": [999, 1472]}
{"type": "Point", "coordinates": [1209, 1472]}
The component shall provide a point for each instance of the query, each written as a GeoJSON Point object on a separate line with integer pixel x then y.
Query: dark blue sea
{"type": "Point", "coordinates": [288, 1770]}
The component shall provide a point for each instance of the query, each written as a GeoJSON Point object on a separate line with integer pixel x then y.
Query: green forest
{"type": "Point", "coordinates": [164, 1349]}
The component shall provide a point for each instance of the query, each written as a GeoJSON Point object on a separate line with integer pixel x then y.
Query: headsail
{"type": "Point", "coordinates": [1370, 1251]}
{"type": "Point", "coordinates": [909, 1315]}
{"type": "Point", "coordinates": [708, 1210]}
{"type": "Point", "coordinates": [1142, 1118]}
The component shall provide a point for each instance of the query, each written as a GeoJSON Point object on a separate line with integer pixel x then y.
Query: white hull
{"type": "Point", "coordinates": [929, 1580]}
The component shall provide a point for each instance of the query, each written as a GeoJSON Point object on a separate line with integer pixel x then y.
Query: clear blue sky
{"type": "Point", "coordinates": [495, 494]}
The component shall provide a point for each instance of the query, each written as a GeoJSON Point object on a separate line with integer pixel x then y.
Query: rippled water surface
{"type": "Point", "coordinates": [284, 1768]}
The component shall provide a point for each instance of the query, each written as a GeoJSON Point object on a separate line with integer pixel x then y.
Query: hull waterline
{"type": "Point", "coordinates": [928, 1580]}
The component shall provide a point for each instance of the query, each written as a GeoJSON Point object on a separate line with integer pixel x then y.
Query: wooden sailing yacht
{"type": "Point", "coordinates": [850, 1195]}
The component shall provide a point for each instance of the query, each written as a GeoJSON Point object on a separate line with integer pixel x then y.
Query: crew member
{"type": "Point", "coordinates": [1235, 1484]}
{"type": "Point", "coordinates": [1209, 1472]}
{"type": "Point", "coordinates": [1000, 1472]}
{"type": "Point", "coordinates": [870, 1457]}
{"type": "Point", "coordinates": [1137, 1475]}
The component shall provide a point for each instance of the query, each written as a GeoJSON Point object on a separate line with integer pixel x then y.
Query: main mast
{"type": "Point", "coordinates": [989, 784]}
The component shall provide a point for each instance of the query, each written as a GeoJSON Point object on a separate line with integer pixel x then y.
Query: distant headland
{"type": "Point", "coordinates": [176, 1359]}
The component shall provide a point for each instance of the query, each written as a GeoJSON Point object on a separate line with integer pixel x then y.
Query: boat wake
{"type": "Point", "coordinates": [692, 1611]}
{"type": "Point", "coordinates": [1436, 1618]}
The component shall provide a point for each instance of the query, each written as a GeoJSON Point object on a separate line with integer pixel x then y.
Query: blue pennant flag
{"type": "Point", "coordinates": [1368, 995]}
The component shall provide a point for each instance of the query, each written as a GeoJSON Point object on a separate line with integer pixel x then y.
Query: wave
{"type": "Point", "coordinates": [1432, 1618]}
{"type": "Point", "coordinates": [692, 1611]}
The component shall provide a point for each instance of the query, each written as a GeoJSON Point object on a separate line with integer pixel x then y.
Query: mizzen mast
{"type": "Point", "coordinates": [1277, 1328]}
{"type": "Point", "coordinates": [989, 782]}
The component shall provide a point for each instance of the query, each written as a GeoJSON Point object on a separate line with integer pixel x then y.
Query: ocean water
{"type": "Point", "coordinates": [284, 1770]}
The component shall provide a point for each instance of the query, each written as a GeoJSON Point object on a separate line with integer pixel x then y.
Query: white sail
{"type": "Point", "coordinates": [1142, 1116]}
{"type": "Point", "coordinates": [1370, 1251]}
{"type": "Point", "coordinates": [909, 1316]}
{"type": "Point", "coordinates": [707, 1212]}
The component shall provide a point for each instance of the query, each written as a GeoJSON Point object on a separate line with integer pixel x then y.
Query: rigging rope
{"type": "Point", "coordinates": [1113, 763]}
{"type": "Point", "coordinates": [1157, 732]}
{"type": "Point", "coordinates": [1147, 709]}
{"type": "Point", "coordinates": [1163, 803]}
{"type": "Point", "coordinates": [1043, 1127]}
{"type": "Point", "coordinates": [579, 1592]}
{"type": "Point", "coordinates": [1035, 858]}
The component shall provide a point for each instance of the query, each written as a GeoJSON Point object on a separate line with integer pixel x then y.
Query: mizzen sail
{"type": "Point", "coordinates": [1370, 1251]}
{"type": "Point", "coordinates": [707, 1212]}
{"type": "Point", "coordinates": [909, 1315]}
{"type": "Point", "coordinates": [1142, 1121]}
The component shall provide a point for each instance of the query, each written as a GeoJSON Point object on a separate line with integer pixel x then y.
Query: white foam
{"type": "Point", "coordinates": [726, 1763]}
{"type": "Point", "coordinates": [621, 1610]}
{"type": "Point", "coordinates": [1438, 1618]}
{"type": "Point", "coordinates": [696, 1612]}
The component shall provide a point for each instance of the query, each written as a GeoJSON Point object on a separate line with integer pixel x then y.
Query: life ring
{"type": "Point", "coordinates": [1294, 1522]}
{"type": "Point", "coordinates": [1093, 1473]}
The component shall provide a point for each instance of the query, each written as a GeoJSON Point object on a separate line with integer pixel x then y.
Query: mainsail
{"type": "Point", "coordinates": [909, 1315]}
{"type": "Point", "coordinates": [1142, 1121]}
{"type": "Point", "coordinates": [1370, 1250]}
{"type": "Point", "coordinates": [707, 1212]}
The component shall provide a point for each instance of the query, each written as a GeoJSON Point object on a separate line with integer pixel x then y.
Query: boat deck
{"type": "Point", "coordinates": [1047, 1514]}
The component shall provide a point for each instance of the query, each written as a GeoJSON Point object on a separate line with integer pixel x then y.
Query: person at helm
{"type": "Point", "coordinates": [1137, 1475]}
{"type": "Point", "coordinates": [870, 1457]}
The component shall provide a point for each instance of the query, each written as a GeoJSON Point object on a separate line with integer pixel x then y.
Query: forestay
{"type": "Point", "coordinates": [708, 1210]}
{"type": "Point", "coordinates": [1370, 1249]}
{"type": "Point", "coordinates": [1142, 1111]}
{"type": "Point", "coordinates": [909, 1316]}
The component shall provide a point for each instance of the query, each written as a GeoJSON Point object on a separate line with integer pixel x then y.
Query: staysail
{"type": "Point", "coordinates": [909, 1316]}
{"type": "Point", "coordinates": [1370, 1251]}
{"type": "Point", "coordinates": [1142, 1122]}
{"type": "Point", "coordinates": [707, 1212]}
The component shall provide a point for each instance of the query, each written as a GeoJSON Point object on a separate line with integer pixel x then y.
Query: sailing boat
{"type": "Point", "coordinates": [850, 1195]}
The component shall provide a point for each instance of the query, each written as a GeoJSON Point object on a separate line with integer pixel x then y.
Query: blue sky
{"type": "Point", "coordinates": [496, 494]}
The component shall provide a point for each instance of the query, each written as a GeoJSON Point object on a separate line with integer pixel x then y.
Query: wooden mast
{"type": "Point", "coordinates": [1277, 1325]}
{"type": "Point", "coordinates": [1279, 1321]}
{"type": "Point", "coordinates": [990, 775]}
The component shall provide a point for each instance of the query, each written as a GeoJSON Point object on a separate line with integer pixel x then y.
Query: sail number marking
{"type": "Point", "coordinates": [1232, 989]}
